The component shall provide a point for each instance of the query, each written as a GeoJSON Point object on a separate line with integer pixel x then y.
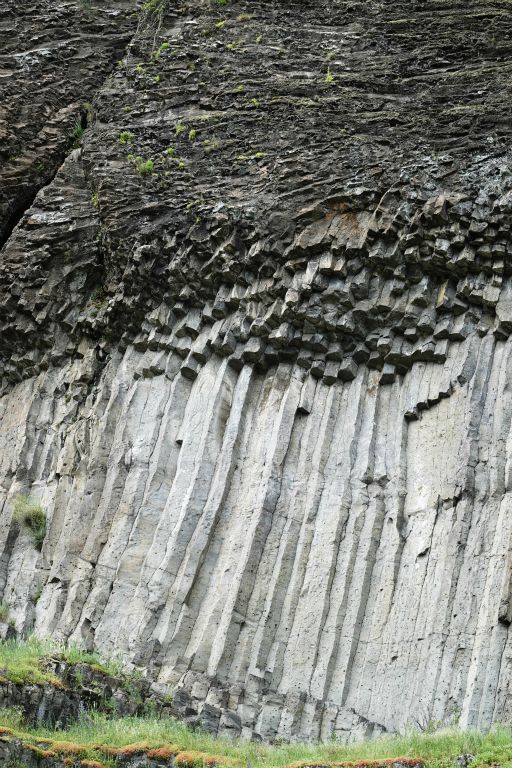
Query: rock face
{"type": "Point", "coordinates": [256, 356]}
{"type": "Point", "coordinates": [73, 690]}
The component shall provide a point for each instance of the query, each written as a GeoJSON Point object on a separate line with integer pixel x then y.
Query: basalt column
{"type": "Point", "coordinates": [256, 354]}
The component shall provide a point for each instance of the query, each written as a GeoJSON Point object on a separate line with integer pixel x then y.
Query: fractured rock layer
{"type": "Point", "coordinates": [255, 361]}
{"type": "Point", "coordinates": [53, 57]}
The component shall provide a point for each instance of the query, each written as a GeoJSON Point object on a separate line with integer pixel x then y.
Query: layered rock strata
{"type": "Point", "coordinates": [255, 348]}
{"type": "Point", "coordinates": [53, 58]}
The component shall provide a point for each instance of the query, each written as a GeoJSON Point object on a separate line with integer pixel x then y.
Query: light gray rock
{"type": "Point", "coordinates": [255, 355]}
{"type": "Point", "coordinates": [340, 561]}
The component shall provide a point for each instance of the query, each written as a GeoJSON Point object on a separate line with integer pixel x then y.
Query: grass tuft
{"type": "Point", "coordinates": [24, 661]}
{"type": "Point", "coordinates": [4, 611]}
{"type": "Point", "coordinates": [32, 517]}
{"type": "Point", "coordinates": [11, 719]}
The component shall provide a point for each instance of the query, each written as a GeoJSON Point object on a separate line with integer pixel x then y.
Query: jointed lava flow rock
{"type": "Point", "coordinates": [255, 352]}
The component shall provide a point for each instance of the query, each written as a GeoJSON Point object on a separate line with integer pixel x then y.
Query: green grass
{"type": "Point", "coordinates": [24, 661]}
{"type": "Point", "coordinates": [143, 166]}
{"type": "Point", "coordinates": [4, 611]}
{"type": "Point", "coordinates": [11, 717]}
{"type": "Point", "coordinates": [438, 749]}
{"type": "Point", "coordinates": [126, 137]}
{"type": "Point", "coordinates": [32, 517]}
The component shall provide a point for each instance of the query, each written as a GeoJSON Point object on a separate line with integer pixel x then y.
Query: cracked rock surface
{"type": "Point", "coordinates": [255, 355]}
{"type": "Point", "coordinates": [53, 57]}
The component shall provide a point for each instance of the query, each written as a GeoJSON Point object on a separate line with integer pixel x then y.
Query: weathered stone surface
{"type": "Point", "coordinates": [260, 384]}
{"type": "Point", "coordinates": [76, 689]}
{"type": "Point", "coordinates": [53, 56]}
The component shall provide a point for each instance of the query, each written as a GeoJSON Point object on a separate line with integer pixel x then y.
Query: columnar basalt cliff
{"type": "Point", "coordinates": [256, 356]}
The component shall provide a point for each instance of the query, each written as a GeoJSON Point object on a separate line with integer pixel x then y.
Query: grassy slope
{"type": "Point", "coordinates": [436, 749]}
{"type": "Point", "coordinates": [24, 662]}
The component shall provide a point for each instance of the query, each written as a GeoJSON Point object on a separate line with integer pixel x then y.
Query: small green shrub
{"type": "Point", "coordinates": [162, 47]}
{"type": "Point", "coordinates": [126, 137]}
{"type": "Point", "coordinates": [329, 77]}
{"type": "Point", "coordinates": [154, 7]}
{"type": "Point", "coordinates": [32, 517]}
{"type": "Point", "coordinates": [78, 132]}
{"type": "Point", "coordinates": [144, 167]}
{"type": "Point", "coordinates": [192, 134]}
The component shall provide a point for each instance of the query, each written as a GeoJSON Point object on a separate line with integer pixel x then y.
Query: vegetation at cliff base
{"type": "Point", "coordinates": [109, 740]}
{"type": "Point", "coordinates": [27, 661]}
{"type": "Point", "coordinates": [99, 738]}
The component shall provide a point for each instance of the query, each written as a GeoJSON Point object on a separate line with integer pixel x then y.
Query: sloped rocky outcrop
{"type": "Point", "coordinates": [69, 691]}
{"type": "Point", "coordinates": [255, 361]}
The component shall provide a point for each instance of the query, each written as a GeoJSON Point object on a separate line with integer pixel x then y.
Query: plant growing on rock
{"type": "Point", "coordinates": [329, 77]}
{"type": "Point", "coordinates": [4, 611]}
{"type": "Point", "coordinates": [98, 297]}
{"type": "Point", "coordinates": [32, 518]}
{"type": "Point", "coordinates": [126, 137]}
{"type": "Point", "coordinates": [78, 132]}
{"type": "Point", "coordinates": [162, 47]}
{"type": "Point", "coordinates": [37, 595]}
{"type": "Point", "coordinates": [12, 717]}
{"type": "Point", "coordinates": [155, 7]}
{"type": "Point", "coordinates": [144, 167]}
